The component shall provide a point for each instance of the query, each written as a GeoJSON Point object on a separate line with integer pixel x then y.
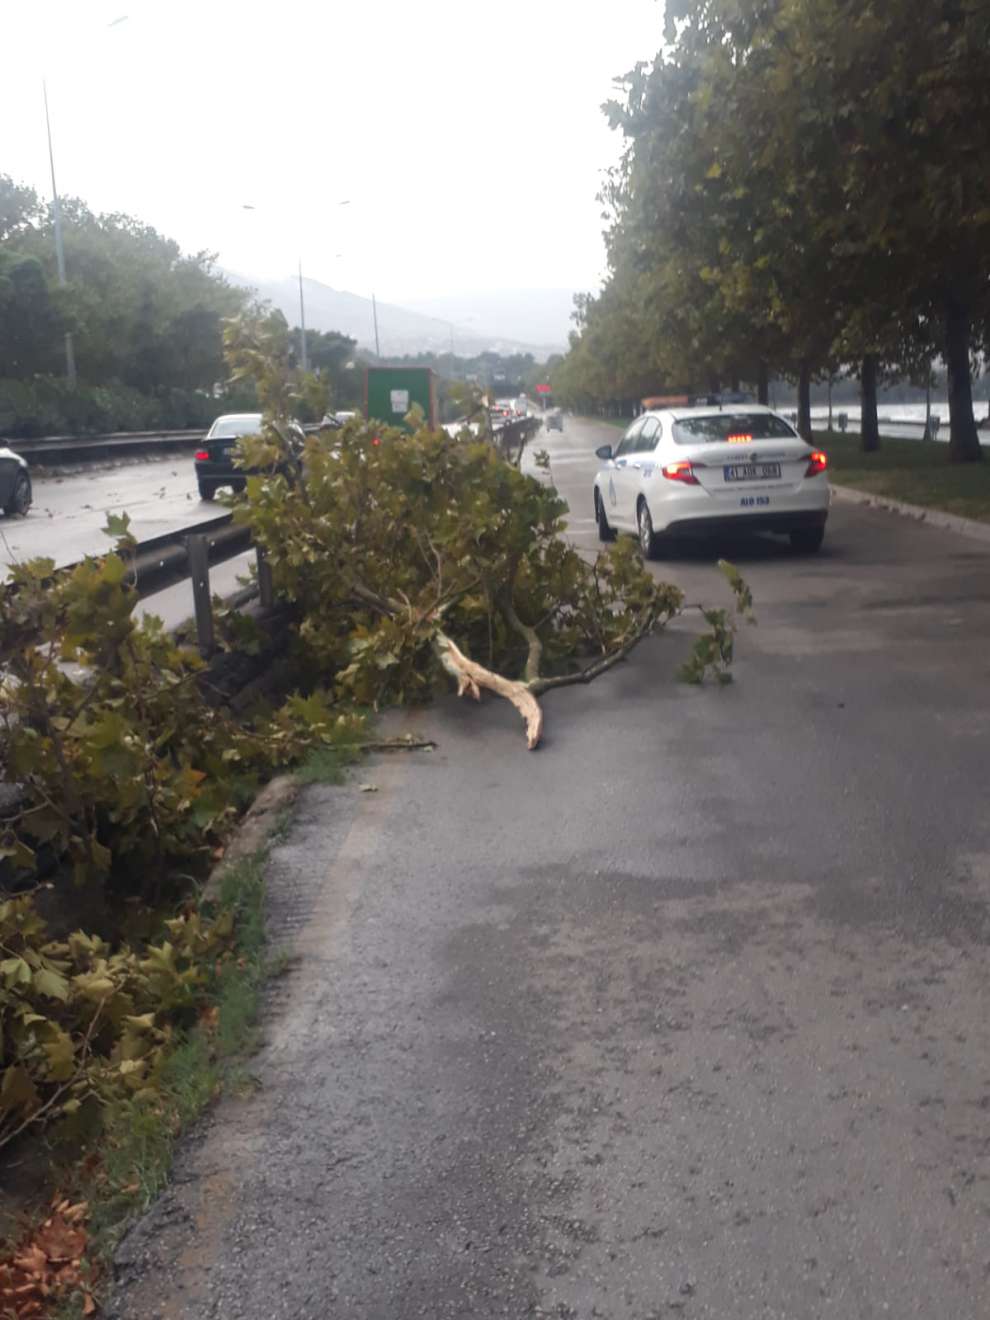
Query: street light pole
{"type": "Point", "coordinates": [303, 356]}
{"type": "Point", "coordinates": [70, 357]}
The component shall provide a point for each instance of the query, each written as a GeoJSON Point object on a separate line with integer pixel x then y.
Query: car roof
{"type": "Point", "coordinates": [235, 417]}
{"type": "Point", "coordinates": [713, 410]}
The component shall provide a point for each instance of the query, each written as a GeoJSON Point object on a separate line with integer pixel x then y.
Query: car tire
{"type": "Point", "coordinates": [606, 532]}
{"type": "Point", "coordinates": [20, 496]}
{"type": "Point", "coordinates": [207, 490]}
{"type": "Point", "coordinates": [649, 542]}
{"type": "Point", "coordinates": [807, 540]}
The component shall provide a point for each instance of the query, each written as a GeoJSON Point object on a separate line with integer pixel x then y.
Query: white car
{"type": "Point", "coordinates": [698, 471]}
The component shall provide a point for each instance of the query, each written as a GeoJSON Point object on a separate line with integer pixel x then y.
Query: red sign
{"type": "Point", "coordinates": [543, 389]}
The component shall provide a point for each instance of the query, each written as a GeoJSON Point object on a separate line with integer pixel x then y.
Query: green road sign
{"type": "Point", "coordinates": [390, 392]}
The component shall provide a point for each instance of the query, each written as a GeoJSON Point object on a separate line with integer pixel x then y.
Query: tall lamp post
{"type": "Point", "coordinates": [70, 354]}
{"type": "Point", "coordinates": [303, 352]}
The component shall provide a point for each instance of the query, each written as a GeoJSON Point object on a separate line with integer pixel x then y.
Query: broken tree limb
{"type": "Point", "coordinates": [602, 664]}
{"type": "Point", "coordinates": [472, 677]}
{"type": "Point", "coordinates": [389, 745]}
{"type": "Point", "coordinates": [530, 635]}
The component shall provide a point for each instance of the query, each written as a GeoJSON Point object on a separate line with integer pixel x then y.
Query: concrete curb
{"type": "Point", "coordinates": [949, 522]}
{"type": "Point", "coordinates": [254, 828]}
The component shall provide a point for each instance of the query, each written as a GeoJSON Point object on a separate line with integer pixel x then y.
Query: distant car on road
{"type": "Point", "coordinates": [555, 420]}
{"type": "Point", "coordinates": [215, 465]}
{"type": "Point", "coordinates": [699, 471]}
{"type": "Point", "coordinates": [15, 483]}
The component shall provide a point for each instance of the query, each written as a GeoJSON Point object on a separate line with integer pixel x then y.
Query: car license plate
{"type": "Point", "coordinates": [752, 471]}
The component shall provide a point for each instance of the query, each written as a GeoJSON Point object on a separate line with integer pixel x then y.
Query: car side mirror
{"type": "Point", "coordinates": [604, 453]}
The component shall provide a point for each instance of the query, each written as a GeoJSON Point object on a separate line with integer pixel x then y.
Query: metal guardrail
{"type": "Point", "coordinates": [88, 447]}
{"type": "Point", "coordinates": [187, 554]}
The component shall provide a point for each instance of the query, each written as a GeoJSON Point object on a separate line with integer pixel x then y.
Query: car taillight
{"type": "Point", "coordinates": [682, 471]}
{"type": "Point", "coordinates": [818, 462]}
{"type": "Point", "coordinates": [202, 456]}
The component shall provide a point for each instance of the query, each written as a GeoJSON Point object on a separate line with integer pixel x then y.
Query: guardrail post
{"type": "Point", "coordinates": [198, 548]}
{"type": "Point", "coordinates": [266, 587]}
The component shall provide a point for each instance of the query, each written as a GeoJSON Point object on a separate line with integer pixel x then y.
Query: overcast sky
{"type": "Point", "coordinates": [467, 137]}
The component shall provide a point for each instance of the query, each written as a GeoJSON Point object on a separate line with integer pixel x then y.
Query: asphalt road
{"type": "Point", "coordinates": [66, 520]}
{"type": "Point", "coordinates": [69, 512]}
{"type": "Point", "coordinates": [682, 1015]}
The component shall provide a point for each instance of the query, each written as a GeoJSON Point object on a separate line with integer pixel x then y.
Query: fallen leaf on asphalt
{"type": "Point", "coordinates": [368, 788]}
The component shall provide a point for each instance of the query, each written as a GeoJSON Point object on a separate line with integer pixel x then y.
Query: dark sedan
{"type": "Point", "coordinates": [15, 483]}
{"type": "Point", "coordinates": [215, 462]}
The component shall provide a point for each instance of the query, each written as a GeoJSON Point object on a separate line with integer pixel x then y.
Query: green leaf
{"type": "Point", "coordinates": [51, 983]}
{"type": "Point", "coordinates": [17, 1090]}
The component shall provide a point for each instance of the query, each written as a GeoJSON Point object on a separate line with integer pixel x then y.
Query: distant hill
{"type": "Point", "coordinates": [401, 330]}
{"type": "Point", "coordinates": [536, 316]}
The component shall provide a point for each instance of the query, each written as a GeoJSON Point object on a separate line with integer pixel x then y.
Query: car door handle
{"type": "Point", "coordinates": [637, 466]}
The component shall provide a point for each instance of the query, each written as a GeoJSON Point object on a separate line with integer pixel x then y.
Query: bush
{"type": "Point", "coordinates": [48, 405]}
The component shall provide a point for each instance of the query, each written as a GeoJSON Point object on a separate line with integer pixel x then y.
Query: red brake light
{"type": "Point", "coordinates": [682, 471]}
{"type": "Point", "coordinates": [817, 462]}
{"type": "Point", "coordinates": [202, 456]}
{"type": "Point", "coordinates": [740, 439]}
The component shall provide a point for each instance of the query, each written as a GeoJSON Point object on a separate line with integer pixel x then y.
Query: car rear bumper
{"type": "Point", "coordinates": [222, 474]}
{"type": "Point", "coordinates": [781, 521]}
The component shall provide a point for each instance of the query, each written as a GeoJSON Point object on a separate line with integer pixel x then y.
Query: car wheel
{"type": "Point", "coordinates": [20, 496]}
{"type": "Point", "coordinates": [806, 540]}
{"type": "Point", "coordinates": [648, 541]}
{"type": "Point", "coordinates": [606, 532]}
{"type": "Point", "coordinates": [207, 490]}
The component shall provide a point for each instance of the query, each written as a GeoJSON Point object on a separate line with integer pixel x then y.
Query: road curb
{"type": "Point", "coordinates": [949, 522]}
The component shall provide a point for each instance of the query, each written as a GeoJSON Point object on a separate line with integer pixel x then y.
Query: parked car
{"type": "Point", "coordinates": [215, 461]}
{"type": "Point", "coordinates": [699, 471]}
{"type": "Point", "coordinates": [15, 483]}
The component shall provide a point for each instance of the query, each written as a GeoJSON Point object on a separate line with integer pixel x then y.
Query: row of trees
{"type": "Point", "coordinates": [147, 326]}
{"type": "Point", "coordinates": [803, 191]}
{"type": "Point", "coordinates": [141, 312]}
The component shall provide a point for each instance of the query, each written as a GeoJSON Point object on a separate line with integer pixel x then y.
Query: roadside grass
{"type": "Point", "coordinates": [138, 1139]}
{"type": "Point", "coordinates": [328, 764]}
{"type": "Point", "coordinates": [915, 471]}
{"type": "Point", "coordinates": [137, 1143]}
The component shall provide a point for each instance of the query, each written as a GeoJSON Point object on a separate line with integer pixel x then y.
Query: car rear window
{"type": "Point", "coordinates": [226, 427]}
{"type": "Point", "coordinates": [724, 426]}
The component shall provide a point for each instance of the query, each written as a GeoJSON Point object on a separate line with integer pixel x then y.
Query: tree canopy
{"type": "Point", "coordinates": [802, 187]}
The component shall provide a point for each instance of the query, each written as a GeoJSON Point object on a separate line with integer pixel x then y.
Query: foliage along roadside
{"type": "Point", "coordinates": [416, 558]}
{"type": "Point", "coordinates": [403, 556]}
{"type": "Point", "coordinates": [802, 190]}
{"type": "Point", "coordinates": [124, 1172]}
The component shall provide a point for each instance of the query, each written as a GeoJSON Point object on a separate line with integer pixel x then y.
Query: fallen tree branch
{"type": "Point", "coordinates": [530, 636]}
{"type": "Point", "coordinates": [387, 745]}
{"type": "Point", "coordinates": [599, 666]}
{"type": "Point", "coordinates": [472, 677]}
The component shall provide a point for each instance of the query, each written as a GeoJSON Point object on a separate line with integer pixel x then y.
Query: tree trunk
{"type": "Point", "coordinates": [763, 385]}
{"type": "Point", "coordinates": [869, 426]}
{"type": "Point", "coordinates": [735, 383]}
{"type": "Point", "coordinates": [964, 439]}
{"type": "Point", "coordinates": [804, 402]}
